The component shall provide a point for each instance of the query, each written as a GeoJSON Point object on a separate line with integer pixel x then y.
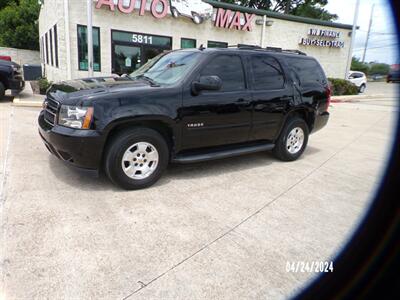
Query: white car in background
{"type": "Point", "coordinates": [359, 79]}
{"type": "Point", "coordinates": [197, 10]}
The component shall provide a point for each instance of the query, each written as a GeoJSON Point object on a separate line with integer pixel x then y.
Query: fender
{"type": "Point", "coordinates": [299, 109]}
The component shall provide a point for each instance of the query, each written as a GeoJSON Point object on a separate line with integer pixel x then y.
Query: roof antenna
{"type": "Point", "coordinates": [201, 47]}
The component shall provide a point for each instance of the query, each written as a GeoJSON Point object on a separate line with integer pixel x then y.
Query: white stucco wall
{"type": "Point", "coordinates": [50, 14]}
{"type": "Point", "coordinates": [282, 33]}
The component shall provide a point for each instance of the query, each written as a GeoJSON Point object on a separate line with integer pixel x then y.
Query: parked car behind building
{"type": "Point", "coordinates": [393, 76]}
{"type": "Point", "coordinates": [359, 79]}
{"type": "Point", "coordinates": [10, 78]}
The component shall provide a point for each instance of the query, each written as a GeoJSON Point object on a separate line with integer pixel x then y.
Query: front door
{"type": "Point", "coordinates": [222, 117]}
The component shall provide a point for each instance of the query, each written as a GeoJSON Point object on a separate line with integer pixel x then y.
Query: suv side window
{"type": "Point", "coordinates": [307, 70]}
{"type": "Point", "coordinates": [267, 73]}
{"type": "Point", "coordinates": [230, 69]}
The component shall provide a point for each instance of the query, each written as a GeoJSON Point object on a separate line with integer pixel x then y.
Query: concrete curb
{"type": "Point", "coordinates": [27, 102]}
{"type": "Point", "coordinates": [357, 98]}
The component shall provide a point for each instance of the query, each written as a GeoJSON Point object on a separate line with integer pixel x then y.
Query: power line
{"type": "Point", "coordinates": [380, 33]}
{"type": "Point", "coordinates": [379, 47]}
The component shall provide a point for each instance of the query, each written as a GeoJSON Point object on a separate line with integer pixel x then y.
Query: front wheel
{"type": "Point", "coordinates": [136, 158]}
{"type": "Point", "coordinates": [292, 140]}
{"type": "Point", "coordinates": [197, 19]}
{"type": "Point", "coordinates": [174, 12]}
{"type": "Point", "coordinates": [362, 88]}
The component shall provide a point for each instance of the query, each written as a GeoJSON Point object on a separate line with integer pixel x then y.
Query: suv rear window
{"type": "Point", "coordinates": [230, 69]}
{"type": "Point", "coordinates": [267, 73]}
{"type": "Point", "coordinates": [307, 70]}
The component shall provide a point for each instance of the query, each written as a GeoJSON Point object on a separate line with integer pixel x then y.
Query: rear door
{"type": "Point", "coordinates": [221, 117]}
{"type": "Point", "coordinates": [310, 82]}
{"type": "Point", "coordinates": [271, 95]}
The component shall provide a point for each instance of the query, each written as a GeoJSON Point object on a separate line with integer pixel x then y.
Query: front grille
{"type": "Point", "coordinates": [50, 111]}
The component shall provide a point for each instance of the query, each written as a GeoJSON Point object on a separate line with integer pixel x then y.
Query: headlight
{"type": "Point", "coordinates": [15, 69]}
{"type": "Point", "coordinates": [75, 117]}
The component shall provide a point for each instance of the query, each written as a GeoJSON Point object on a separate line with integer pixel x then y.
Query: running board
{"type": "Point", "coordinates": [219, 154]}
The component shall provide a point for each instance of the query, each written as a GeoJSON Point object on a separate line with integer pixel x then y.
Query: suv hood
{"type": "Point", "coordinates": [90, 88]}
{"type": "Point", "coordinates": [9, 63]}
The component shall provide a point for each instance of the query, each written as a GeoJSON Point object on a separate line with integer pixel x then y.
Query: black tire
{"type": "Point", "coordinates": [2, 91]}
{"type": "Point", "coordinates": [362, 88]}
{"type": "Point", "coordinates": [197, 19]}
{"type": "Point", "coordinates": [281, 151]}
{"type": "Point", "coordinates": [121, 143]}
{"type": "Point", "coordinates": [175, 13]}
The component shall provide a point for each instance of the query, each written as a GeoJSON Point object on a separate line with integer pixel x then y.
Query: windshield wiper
{"type": "Point", "coordinates": [148, 79]}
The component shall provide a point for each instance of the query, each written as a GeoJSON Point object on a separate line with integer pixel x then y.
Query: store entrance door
{"type": "Point", "coordinates": [132, 50]}
{"type": "Point", "coordinates": [126, 59]}
{"type": "Point", "coordinates": [149, 52]}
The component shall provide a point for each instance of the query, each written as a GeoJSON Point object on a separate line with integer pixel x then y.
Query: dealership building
{"type": "Point", "coordinates": [127, 33]}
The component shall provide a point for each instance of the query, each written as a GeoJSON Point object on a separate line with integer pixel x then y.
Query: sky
{"type": "Point", "coordinates": [383, 44]}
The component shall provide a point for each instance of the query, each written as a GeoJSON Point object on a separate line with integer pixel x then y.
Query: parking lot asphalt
{"type": "Point", "coordinates": [224, 229]}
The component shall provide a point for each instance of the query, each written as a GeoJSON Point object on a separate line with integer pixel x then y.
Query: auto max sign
{"type": "Point", "coordinates": [197, 10]}
{"type": "Point", "coordinates": [229, 19]}
{"type": "Point", "coordinates": [322, 38]}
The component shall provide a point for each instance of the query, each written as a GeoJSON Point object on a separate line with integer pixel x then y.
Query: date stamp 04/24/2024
{"type": "Point", "coordinates": [309, 266]}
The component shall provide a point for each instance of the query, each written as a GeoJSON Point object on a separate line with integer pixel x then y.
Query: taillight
{"type": "Point", "coordinates": [328, 97]}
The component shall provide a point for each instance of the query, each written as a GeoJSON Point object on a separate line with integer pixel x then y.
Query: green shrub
{"type": "Point", "coordinates": [44, 84]}
{"type": "Point", "coordinates": [342, 87]}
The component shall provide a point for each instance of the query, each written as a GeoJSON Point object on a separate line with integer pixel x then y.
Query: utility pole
{"type": "Point", "coordinates": [90, 37]}
{"type": "Point", "coordinates": [368, 33]}
{"type": "Point", "coordinates": [353, 37]}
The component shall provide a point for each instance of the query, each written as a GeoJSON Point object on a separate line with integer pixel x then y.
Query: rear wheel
{"type": "Point", "coordinates": [136, 158]}
{"type": "Point", "coordinates": [292, 140]}
{"type": "Point", "coordinates": [362, 88]}
{"type": "Point", "coordinates": [2, 90]}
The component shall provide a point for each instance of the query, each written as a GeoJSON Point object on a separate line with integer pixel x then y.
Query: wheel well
{"type": "Point", "coordinates": [306, 115]}
{"type": "Point", "coordinates": [159, 126]}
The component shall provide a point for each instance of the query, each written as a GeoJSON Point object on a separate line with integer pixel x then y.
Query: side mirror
{"type": "Point", "coordinates": [206, 83]}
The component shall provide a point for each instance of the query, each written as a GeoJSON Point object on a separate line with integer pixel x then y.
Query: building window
{"type": "Point", "coordinates": [131, 50]}
{"type": "Point", "coordinates": [212, 44]}
{"type": "Point", "coordinates": [188, 43]}
{"type": "Point", "coordinates": [83, 49]}
{"type": "Point", "coordinates": [51, 47]}
{"type": "Point", "coordinates": [47, 48]}
{"type": "Point", "coordinates": [55, 44]}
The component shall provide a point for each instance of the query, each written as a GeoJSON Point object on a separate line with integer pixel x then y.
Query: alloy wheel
{"type": "Point", "coordinates": [140, 160]}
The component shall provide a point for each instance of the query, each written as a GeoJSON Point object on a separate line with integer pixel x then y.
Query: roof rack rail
{"type": "Point", "coordinates": [244, 46]}
{"type": "Point", "coordinates": [276, 49]}
{"type": "Point", "coordinates": [296, 52]}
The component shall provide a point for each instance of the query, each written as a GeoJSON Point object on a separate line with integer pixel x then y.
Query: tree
{"type": "Point", "coordinates": [4, 3]}
{"type": "Point", "coordinates": [357, 65]}
{"type": "Point", "coordinates": [379, 68]}
{"type": "Point", "coordinates": [19, 25]}
{"type": "Point", "coordinates": [304, 8]}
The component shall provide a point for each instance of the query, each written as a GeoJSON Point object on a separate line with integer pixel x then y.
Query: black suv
{"type": "Point", "coordinates": [10, 78]}
{"type": "Point", "coordinates": [187, 106]}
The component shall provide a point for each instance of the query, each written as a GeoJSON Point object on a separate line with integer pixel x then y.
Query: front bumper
{"type": "Point", "coordinates": [80, 148]}
{"type": "Point", "coordinates": [16, 86]}
{"type": "Point", "coordinates": [320, 121]}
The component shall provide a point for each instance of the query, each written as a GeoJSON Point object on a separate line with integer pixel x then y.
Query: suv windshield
{"type": "Point", "coordinates": [167, 68]}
